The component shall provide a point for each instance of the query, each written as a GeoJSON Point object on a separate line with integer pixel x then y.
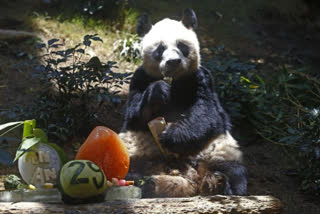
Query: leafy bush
{"type": "Point", "coordinates": [282, 106]}
{"type": "Point", "coordinates": [76, 88]}
{"type": "Point", "coordinates": [129, 48]}
{"type": "Point", "coordinates": [288, 114]}
{"type": "Point", "coordinates": [232, 83]}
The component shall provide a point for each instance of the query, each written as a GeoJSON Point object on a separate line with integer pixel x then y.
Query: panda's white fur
{"type": "Point", "coordinates": [222, 148]}
{"type": "Point", "coordinates": [140, 144]}
{"type": "Point", "coordinates": [170, 31]}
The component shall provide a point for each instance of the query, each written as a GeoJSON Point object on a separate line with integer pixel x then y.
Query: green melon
{"type": "Point", "coordinates": [81, 179]}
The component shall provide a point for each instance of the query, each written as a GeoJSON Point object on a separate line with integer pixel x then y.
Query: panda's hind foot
{"type": "Point", "coordinates": [168, 186]}
{"type": "Point", "coordinates": [215, 183]}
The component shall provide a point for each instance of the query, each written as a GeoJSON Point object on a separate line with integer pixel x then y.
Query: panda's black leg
{"type": "Point", "coordinates": [236, 175]}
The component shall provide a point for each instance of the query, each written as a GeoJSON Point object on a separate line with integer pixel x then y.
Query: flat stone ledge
{"type": "Point", "coordinates": [217, 204]}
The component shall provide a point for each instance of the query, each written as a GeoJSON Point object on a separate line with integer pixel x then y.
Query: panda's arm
{"type": "Point", "coordinates": [138, 85]}
{"type": "Point", "coordinates": [203, 121]}
{"type": "Point", "coordinates": [145, 99]}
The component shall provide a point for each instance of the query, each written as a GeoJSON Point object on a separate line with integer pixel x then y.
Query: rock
{"type": "Point", "coordinates": [54, 196]}
{"type": "Point", "coordinates": [205, 205]}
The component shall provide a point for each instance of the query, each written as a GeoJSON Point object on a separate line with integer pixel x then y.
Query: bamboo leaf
{"type": "Point", "coordinates": [40, 134]}
{"type": "Point", "coordinates": [26, 144]}
{"type": "Point", "coordinates": [245, 79]}
{"type": "Point", "coordinates": [6, 125]}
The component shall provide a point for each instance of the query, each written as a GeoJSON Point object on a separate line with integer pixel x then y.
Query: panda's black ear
{"type": "Point", "coordinates": [189, 19]}
{"type": "Point", "coordinates": [144, 25]}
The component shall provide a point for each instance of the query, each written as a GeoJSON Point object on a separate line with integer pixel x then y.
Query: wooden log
{"type": "Point", "coordinates": [205, 205]}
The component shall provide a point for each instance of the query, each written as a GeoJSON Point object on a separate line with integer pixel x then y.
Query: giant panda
{"type": "Point", "coordinates": [209, 160]}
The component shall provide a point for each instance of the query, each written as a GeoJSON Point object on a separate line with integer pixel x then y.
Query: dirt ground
{"type": "Point", "coordinates": [269, 36]}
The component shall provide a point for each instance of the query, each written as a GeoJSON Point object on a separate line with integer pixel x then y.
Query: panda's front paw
{"type": "Point", "coordinates": [171, 139]}
{"type": "Point", "coordinates": [158, 92]}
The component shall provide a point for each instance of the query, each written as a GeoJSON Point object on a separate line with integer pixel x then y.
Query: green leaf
{"type": "Point", "coordinates": [3, 126]}
{"type": "Point", "coordinates": [52, 41]}
{"type": "Point", "coordinates": [260, 79]}
{"type": "Point", "coordinates": [56, 45]}
{"type": "Point", "coordinates": [63, 156]}
{"type": "Point", "coordinates": [87, 42]}
{"type": "Point", "coordinates": [245, 79]}
{"type": "Point", "coordinates": [6, 125]}
{"type": "Point", "coordinates": [97, 39]}
{"type": "Point", "coordinates": [86, 37]}
{"type": "Point", "coordinates": [40, 134]}
{"type": "Point", "coordinates": [80, 50]}
{"type": "Point", "coordinates": [26, 144]}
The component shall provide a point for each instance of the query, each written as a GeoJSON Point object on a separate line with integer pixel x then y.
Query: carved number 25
{"type": "Point", "coordinates": [76, 180]}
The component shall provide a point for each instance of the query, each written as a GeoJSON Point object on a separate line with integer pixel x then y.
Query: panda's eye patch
{"type": "Point", "coordinates": [157, 54]}
{"type": "Point", "coordinates": [183, 48]}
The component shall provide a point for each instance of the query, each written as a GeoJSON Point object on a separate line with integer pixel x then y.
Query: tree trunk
{"type": "Point", "coordinates": [205, 205]}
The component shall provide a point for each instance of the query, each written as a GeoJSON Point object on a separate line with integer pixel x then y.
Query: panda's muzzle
{"type": "Point", "coordinates": [171, 66]}
{"type": "Point", "coordinates": [173, 63]}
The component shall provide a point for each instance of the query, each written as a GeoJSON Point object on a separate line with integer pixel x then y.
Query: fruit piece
{"type": "Point", "coordinates": [48, 185]}
{"type": "Point", "coordinates": [81, 179]}
{"type": "Point", "coordinates": [106, 149]}
{"type": "Point", "coordinates": [109, 184]}
{"type": "Point", "coordinates": [122, 182]}
{"type": "Point", "coordinates": [30, 186]}
{"type": "Point", "coordinates": [129, 183]}
{"type": "Point", "coordinates": [115, 182]}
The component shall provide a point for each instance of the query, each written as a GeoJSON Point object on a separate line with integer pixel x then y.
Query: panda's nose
{"type": "Point", "coordinates": [173, 62]}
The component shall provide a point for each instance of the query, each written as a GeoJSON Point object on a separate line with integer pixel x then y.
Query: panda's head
{"type": "Point", "coordinates": [170, 48]}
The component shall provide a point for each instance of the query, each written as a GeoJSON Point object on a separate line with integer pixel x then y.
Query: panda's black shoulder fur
{"type": "Point", "coordinates": [190, 102]}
